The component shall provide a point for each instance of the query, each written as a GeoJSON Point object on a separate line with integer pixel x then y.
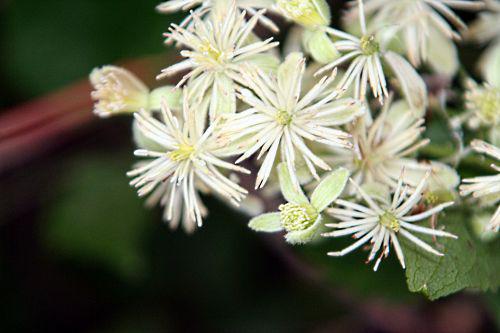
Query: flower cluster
{"type": "Point", "coordinates": [335, 125]}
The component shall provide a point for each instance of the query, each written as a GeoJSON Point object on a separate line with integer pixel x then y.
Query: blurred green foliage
{"type": "Point", "coordinates": [96, 229]}
{"type": "Point", "coordinates": [468, 262]}
{"type": "Point", "coordinates": [49, 44]}
{"type": "Point", "coordinates": [97, 217]}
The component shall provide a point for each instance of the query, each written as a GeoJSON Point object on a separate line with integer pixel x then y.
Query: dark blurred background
{"type": "Point", "coordinates": [78, 251]}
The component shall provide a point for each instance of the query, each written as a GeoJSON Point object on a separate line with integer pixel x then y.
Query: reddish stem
{"type": "Point", "coordinates": [37, 127]}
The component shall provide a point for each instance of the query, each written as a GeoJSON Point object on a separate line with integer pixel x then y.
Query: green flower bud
{"type": "Point", "coordinates": [309, 13]}
{"type": "Point", "coordinates": [485, 102]}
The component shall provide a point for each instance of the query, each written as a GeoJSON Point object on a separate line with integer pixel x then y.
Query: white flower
{"type": "Point", "coordinates": [365, 55]}
{"type": "Point", "coordinates": [487, 186]}
{"type": "Point", "coordinates": [205, 7]}
{"type": "Point", "coordinates": [382, 225]}
{"type": "Point", "coordinates": [117, 90]}
{"type": "Point", "coordinates": [386, 146]}
{"type": "Point", "coordinates": [300, 217]}
{"type": "Point", "coordinates": [420, 24]}
{"type": "Point", "coordinates": [280, 118]}
{"type": "Point", "coordinates": [219, 48]}
{"type": "Point", "coordinates": [190, 156]}
{"type": "Point", "coordinates": [483, 103]}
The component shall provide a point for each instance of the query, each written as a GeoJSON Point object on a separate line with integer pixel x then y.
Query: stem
{"type": "Point", "coordinates": [37, 127]}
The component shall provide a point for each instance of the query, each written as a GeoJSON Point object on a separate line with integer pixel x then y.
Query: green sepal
{"type": "Point", "coordinates": [269, 222]}
{"type": "Point", "coordinates": [290, 192]}
{"type": "Point", "coordinates": [329, 189]}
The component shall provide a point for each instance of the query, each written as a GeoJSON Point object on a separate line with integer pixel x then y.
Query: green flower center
{"type": "Point", "coordinates": [369, 46]}
{"type": "Point", "coordinates": [358, 163]}
{"type": "Point", "coordinates": [184, 152]}
{"type": "Point", "coordinates": [389, 221]}
{"type": "Point", "coordinates": [488, 104]}
{"type": "Point", "coordinates": [283, 118]}
{"type": "Point", "coordinates": [210, 51]}
{"type": "Point", "coordinates": [296, 217]}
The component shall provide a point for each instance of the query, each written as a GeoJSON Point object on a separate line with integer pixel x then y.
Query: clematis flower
{"type": "Point", "coordinates": [218, 8]}
{"type": "Point", "coordinates": [189, 158]}
{"type": "Point", "coordinates": [382, 225]}
{"type": "Point", "coordinates": [386, 146]}
{"type": "Point", "coordinates": [366, 56]}
{"type": "Point", "coordinates": [483, 104]}
{"type": "Point", "coordinates": [300, 217]}
{"type": "Point", "coordinates": [425, 28]}
{"type": "Point", "coordinates": [281, 118]}
{"type": "Point", "coordinates": [219, 48]}
{"type": "Point", "coordinates": [487, 187]}
{"type": "Point", "coordinates": [119, 91]}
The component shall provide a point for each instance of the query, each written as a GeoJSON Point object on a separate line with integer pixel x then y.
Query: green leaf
{"type": "Point", "coordinates": [329, 189]}
{"type": "Point", "coordinates": [269, 222]}
{"type": "Point", "coordinates": [288, 189]}
{"type": "Point", "coordinates": [467, 263]}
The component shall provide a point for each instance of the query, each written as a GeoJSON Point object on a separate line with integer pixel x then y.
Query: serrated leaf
{"type": "Point", "coordinates": [329, 189]}
{"type": "Point", "coordinates": [467, 263]}
{"type": "Point", "coordinates": [269, 222]}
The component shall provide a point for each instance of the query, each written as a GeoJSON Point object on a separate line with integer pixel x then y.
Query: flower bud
{"type": "Point", "coordinates": [116, 91]}
{"type": "Point", "coordinates": [484, 102]}
{"type": "Point", "coordinates": [308, 13]}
